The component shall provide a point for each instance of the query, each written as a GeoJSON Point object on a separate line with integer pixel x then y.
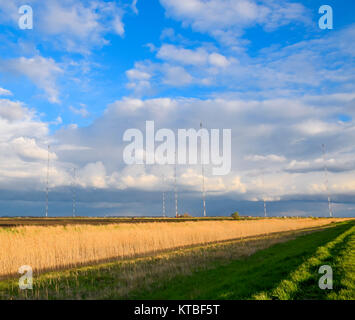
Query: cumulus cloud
{"type": "Point", "coordinates": [135, 74]}
{"type": "Point", "coordinates": [181, 55]}
{"type": "Point", "coordinates": [140, 77]}
{"type": "Point", "coordinates": [23, 139]}
{"type": "Point", "coordinates": [199, 56]}
{"type": "Point", "coordinates": [218, 60]}
{"type": "Point", "coordinates": [262, 145]}
{"type": "Point", "coordinates": [176, 76]}
{"type": "Point", "coordinates": [28, 149]}
{"type": "Point", "coordinates": [179, 67]}
{"type": "Point", "coordinates": [12, 110]}
{"type": "Point", "coordinates": [93, 175]}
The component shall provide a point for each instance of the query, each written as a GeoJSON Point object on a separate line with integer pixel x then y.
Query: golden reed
{"type": "Point", "coordinates": [53, 247]}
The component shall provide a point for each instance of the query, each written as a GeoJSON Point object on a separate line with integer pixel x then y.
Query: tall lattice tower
{"type": "Point", "coordinates": [327, 182]}
{"type": "Point", "coordinates": [264, 198]}
{"type": "Point", "coordinates": [175, 190]}
{"type": "Point", "coordinates": [74, 192]}
{"type": "Point", "coordinates": [47, 183]}
{"type": "Point", "coordinates": [164, 211]}
{"type": "Point", "coordinates": [203, 179]}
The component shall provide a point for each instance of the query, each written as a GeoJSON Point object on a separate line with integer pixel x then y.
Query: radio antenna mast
{"type": "Point", "coordinates": [203, 179]}
{"type": "Point", "coordinates": [264, 198]}
{"type": "Point", "coordinates": [164, 213]}
{"type": "Point", "coordinates": [327, 182]}
{"type": "Point", "coordinates": [47, 183]}
{"type": "Point", "coordinates": [74, 192]}
{"type": "Point", "coordinates": [175, 190]}
{"type": "Point", "coordinates": [265, 214]}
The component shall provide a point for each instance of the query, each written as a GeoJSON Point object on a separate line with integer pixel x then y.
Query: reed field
{"type": "Point", "coordinates": [58, 247]}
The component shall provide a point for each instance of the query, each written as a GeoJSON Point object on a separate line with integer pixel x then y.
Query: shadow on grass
{"type": "Point", "coordinates": [242, 278]}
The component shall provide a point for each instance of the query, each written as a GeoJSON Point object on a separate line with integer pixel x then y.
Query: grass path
{"type": "Point", "coordinates": [303, 282]}
{"type": "Point", "coordinates": [344, 286]}
{"type": "Point", "coordinates": [284, 271]}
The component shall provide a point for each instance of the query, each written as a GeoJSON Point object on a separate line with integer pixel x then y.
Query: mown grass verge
{"type": "Point", "coordinates": [286, 270]}
{"type": "Point", "coordinates": [302, 283]}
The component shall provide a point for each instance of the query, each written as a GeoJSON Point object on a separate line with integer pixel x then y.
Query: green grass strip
{"type": "Point", "coordinates": [254, 276]}
{"type": "Point", "coordinates": [344, 288]}
{"type": "Point", "coordinates": [302, 283]}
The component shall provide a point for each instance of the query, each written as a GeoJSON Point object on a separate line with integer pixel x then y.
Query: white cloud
{"type": "Point", "coordinates": [11, 110]}
{"type": "Point", "coordinates": [23, 151]}
{"type": "Point", "coordinates": [28, 148]}
{"type": "Point", "coordinates": [74, 26]}
{"type": "Point", "coordinates": [70, 147]}
{"type": "Point", "coordinates": [140, 77]}
{"type": "Point", "coordinates": [316, 127]}
{"type": "Point", "coordinates": [269, 157]}
{"type": "Point", "coordinates": [57, 121]}
{"type": "Point", "coordinates": [127, 105]}
{"type": "Point", "coordinates": [135, 74]}
{"type": "Point", "coordinates": [218, 60]}
{"type": "Point", "coordinates": [222, 17]}
{"type": "Point", "coordinates": [93, 175]}
{"type": "Point", "coordinates": [145, 73]}
{"type": "Point", "coordinates": [341, 164]}
{"type": "Point", "coordinates": [118, 26]}
{"type": "Point", "coordinates": [23, 123]}
{"type": "Point", "coordinates": [205, 15]}
{"type": "Point", "coordinates": [131, 106]}
{"type": "Point", "coordinates": [262, 131]}
{"type": "Point", "coordinates": [76, 19]}
{"type": "Point", "coordinates": [184, 56]}
{"type": "Point", "coordinates": [176, 76]}
{"type": "Point", "coordinates": [136, 177]}
{"type": "Point", "coordinates": [41, 71]}
{"type": "Point", "coordinates": [80, 111]}
{"type": "Point", "coordinates": [197, 57]}
{"type": "Point", "coordinates": [267, 144]}
{"type": "Point", "coordinates": [4, 92]}
{"type": "Point", "coordinates": [134, 6]}
{"type": "Point", "coordinates": [274, 71]}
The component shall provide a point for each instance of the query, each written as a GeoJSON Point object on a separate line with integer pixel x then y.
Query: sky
{"type": "Point", "coordinates": [90, 70]}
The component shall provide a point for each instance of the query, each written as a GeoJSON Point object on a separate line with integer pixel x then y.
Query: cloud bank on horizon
{"type": "Point", "coordinates": [89, 70]}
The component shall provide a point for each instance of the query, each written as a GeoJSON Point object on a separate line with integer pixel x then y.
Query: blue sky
{"type": "Point", "coordinates": [91, 69]}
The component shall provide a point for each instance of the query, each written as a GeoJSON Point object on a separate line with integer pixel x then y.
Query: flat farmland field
{"type": "Point", "coordinates": [80, 261]}
{"type": "Point", "coordinates": [65, 221]}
